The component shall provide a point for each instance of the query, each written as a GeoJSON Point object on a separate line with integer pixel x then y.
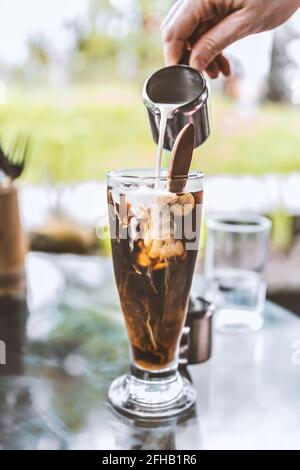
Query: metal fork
{"type": "Point", "coordinates": [18, 155]}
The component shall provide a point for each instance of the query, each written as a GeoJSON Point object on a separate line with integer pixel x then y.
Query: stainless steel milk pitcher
{"type": "Point", "coordinates": [183, 85]}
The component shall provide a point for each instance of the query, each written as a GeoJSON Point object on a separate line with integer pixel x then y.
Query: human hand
{"type": "Point", "coordinates": [206, 27]}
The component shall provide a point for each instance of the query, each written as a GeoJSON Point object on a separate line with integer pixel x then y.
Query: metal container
{"type": "Point", "coordinates": [183, 85]}
{"type": "Point", "coordinates": [196, 342]}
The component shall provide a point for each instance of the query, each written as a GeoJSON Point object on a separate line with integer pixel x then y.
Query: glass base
{"type": "Point", "coordinates": [151, 395]}
{"type": "Point", "coordinates": [238, 321]}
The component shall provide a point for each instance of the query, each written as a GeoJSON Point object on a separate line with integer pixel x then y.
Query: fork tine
{"type": "Point", "coordinates": [26, 150]}
{"type": "Point", "coordinates": [21, 149]}
{"type": "Point", "coordinates": [14, 148]}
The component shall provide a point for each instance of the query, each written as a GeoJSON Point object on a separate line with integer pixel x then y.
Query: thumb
{"type": "Point", "coordinates": [224, 33]}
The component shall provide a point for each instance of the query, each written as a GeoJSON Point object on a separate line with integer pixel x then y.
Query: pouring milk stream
{"type": "Point", "coordinates": [165, 111]}
{"type": "Point", "coordinates": [175, 96]}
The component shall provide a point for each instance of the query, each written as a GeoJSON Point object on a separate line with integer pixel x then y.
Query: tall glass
{"type": "Point", "coordinates": [235, 262]}
{"type": "Point", "coordinates": [154, 236]}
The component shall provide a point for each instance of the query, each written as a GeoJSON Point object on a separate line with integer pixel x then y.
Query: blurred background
{"type": "Point", "coordinates": [71, 75]}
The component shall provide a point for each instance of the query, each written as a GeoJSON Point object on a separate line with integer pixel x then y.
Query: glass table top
{"type": "Point", "coordinates": [67, 343]}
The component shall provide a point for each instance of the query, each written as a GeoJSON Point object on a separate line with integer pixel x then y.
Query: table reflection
{"type": "Point", "coordinates": [163, 435]}
{"type": "Point", "coordinates": [63, 350]}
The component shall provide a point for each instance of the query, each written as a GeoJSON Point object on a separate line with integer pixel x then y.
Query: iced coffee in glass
{"type": "Point", "coordinates": [154, 228]}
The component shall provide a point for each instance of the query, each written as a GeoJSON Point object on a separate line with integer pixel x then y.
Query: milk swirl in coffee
{"type": "Point", "coordinates": [154, 267]}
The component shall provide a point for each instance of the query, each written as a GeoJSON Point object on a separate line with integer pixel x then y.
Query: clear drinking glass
{"type": "Point", "coordinates": [235, 261]}
{"type": "Point", "coordinates": [154, 236]}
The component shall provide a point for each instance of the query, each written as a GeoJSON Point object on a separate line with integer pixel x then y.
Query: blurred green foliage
{"type": "Point", "coordinates": [98, 46]}
{"type": "Point", "coordinates": [82, 132]}
{"type": "Point", "coordinates": [116, 41]}
{"type": "Point", "coordinates": [282, 230]}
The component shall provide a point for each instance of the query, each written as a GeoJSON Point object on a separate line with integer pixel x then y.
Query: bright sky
{"type": "Point", "coordinates": [20, 19]}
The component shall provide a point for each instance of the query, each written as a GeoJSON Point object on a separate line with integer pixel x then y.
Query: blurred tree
{"type": "Point", "coordinates": [96, 49]}
{"type": "Point", "coordinates": [38, 59]}
{"type": "Point", "coordinates": [98, 46]}
{"type": "Point", "coordinates": [38, 50]}
{"type": "Point", "coordinates": [119, 38]}
{"type": "Point", "coordinates": [148, 44]}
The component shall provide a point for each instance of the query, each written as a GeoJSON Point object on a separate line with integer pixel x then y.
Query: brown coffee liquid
{"type": "Point", "coordinates": [154, 278]}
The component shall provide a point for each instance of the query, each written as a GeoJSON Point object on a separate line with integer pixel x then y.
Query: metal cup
{"type": "Point", "coordinates": [178, 84]}
{"type": "Point", "coordinates": [196, 341]}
